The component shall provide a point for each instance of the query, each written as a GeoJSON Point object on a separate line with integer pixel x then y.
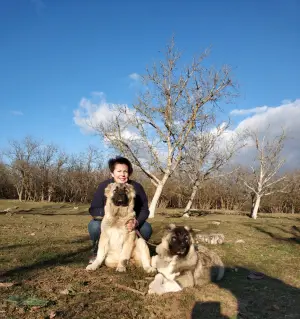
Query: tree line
{"type": "Point", "coordinates": [34, 171]}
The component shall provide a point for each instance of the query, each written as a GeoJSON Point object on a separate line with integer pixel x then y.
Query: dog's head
{"type": "Point", "coordinates": [120, 194]}
{"type": "Point", "coordinates": [180, 239]}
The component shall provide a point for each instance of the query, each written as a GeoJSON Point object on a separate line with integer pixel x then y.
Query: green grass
{"type": "Point", "coordinates": [45, 250]}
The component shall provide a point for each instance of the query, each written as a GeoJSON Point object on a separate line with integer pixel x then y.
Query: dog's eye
{"type": "Point", "coordinates": [186, 238]}
{"type": "Point", "coordinates": [174, 238]}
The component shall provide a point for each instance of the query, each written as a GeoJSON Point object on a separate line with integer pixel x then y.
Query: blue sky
{"type": "Point", "coordinates": [54, 53]}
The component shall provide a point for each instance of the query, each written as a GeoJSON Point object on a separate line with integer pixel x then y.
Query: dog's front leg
{"type": "Point", "coordinates": [101, 254]}
{"type": "Point", "coordinates": [169, 270]}
{"type": "Point", "coordinates": [126, 252]}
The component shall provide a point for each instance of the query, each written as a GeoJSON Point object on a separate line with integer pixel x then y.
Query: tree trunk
{"type": "Point", "coordinates": [256, 207]}
{"type": "Point", "coordinates": [192, 197]}
{"type": "Point", "coordinates": [20, 193]}
{"type": "Point", "coordinates": [156, 196]}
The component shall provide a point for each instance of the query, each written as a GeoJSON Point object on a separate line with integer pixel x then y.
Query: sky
{"type": "Point", "coordinates": [57, 56]}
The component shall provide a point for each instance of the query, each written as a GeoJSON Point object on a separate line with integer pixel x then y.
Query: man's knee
{"type": "Point", "coordinates": [94, 228]}
{"type": "Point", "coordinates": [146, 231]}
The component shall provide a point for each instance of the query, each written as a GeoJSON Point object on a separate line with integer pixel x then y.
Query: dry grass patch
{"type": "Point", "coordinates": [45, 250]}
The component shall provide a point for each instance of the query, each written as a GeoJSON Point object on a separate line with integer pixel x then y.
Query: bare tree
{"type": "Point", "coordinates": [206, 153]}
{"type": "Point", "coordinates": [175, 102]}
{"type": "Point", "coordinates": [268, 162]}
{"type": "Point", "coordinates": [22, 156]}
{"type": "Point", "coordinates": [45, 161]}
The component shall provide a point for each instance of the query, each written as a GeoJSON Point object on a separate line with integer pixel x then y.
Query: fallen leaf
{"type": "Point", "coordinates": [64, 292]}
{"type": "Point", "coordinates": [35, 308]}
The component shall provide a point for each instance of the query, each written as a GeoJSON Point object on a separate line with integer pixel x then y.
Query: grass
{"type": "Point", "coordinates": [44, 249]}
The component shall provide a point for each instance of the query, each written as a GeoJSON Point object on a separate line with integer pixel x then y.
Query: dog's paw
{"type": "Point", "coordinates": [121, 268]}
{"type": "Point", "coordinates": [174, 260]}
{"type": "Point", "coordinates": [91, 267]}
{"type": "Point", "coordinates": [150, 270]}
{"type": "Point", "coordinates": [172, 276]}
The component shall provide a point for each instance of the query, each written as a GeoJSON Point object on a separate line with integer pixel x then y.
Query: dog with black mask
{"type": "Point", "coordinates": [180, 264]}
{"type": "Point", "coordinates": [118, 246]}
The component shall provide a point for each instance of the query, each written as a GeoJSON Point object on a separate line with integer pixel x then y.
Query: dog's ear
{"type": "Point", "coordinates": [131, 190]}
{"type": "Point", "coordinates": [108, 189]}
{"type": "Point", "coordinates": [189, 229]}
{"type": "Point", "coordinates": [171, 227]}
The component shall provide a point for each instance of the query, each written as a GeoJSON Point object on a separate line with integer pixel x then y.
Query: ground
{"type": "Point", "coordinates": [45, 248]}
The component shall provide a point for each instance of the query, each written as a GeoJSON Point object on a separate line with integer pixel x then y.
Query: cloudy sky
{"type": "Point", "coordinates": [65, 61]}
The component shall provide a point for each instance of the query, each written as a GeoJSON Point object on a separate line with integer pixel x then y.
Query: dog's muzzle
{"type": "Point", "coordinates": [120, 198]}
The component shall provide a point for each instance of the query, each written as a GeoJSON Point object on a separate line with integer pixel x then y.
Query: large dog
{"type": "Point", "coordinates": [181, 265]}
{"type": "Point", "coordinates": [118, 246]}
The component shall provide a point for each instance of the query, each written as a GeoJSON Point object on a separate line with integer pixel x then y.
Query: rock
{"type": "Point", "coordinates": [213, 239]}
{"type": "Point", "coordinates": [240, 241]}
{"type": "Point", "coordinates": [186, 215]}
{"type": "Point", "coordinates": [64, 292]}
{"type": "Point", "coordinates": [32, 234]}
{"type": "Point", "coordinates": [76, 208]}
{"type": "Point", "coordinates": [216, 223]}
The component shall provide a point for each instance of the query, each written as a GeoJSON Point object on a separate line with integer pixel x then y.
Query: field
{"type": "Point", "coordinates": [45, 248]}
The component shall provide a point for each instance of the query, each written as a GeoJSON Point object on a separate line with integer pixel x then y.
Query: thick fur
{"type": "Point", "coordinates": [117, 246]}
{"type": "Point", "coordinates": [179, 261]}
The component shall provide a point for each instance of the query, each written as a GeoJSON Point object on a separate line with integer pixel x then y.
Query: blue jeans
{"type": "Point", "coordinates": [94, 228]}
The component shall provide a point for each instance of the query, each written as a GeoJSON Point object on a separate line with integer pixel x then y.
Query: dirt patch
{"type": "Point", "coordinates": [52, 261]}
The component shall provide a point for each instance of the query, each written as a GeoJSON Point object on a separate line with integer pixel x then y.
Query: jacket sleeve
{"type": "Point", "coordinates": [98, 202]}
{"type": "Point", "coordinates": [141, 207]}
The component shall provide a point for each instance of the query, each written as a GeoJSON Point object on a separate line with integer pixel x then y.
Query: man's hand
{"type": "Point", "coordinates": [131, 224]}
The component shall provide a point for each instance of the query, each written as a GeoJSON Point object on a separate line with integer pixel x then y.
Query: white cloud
{"type": "Point", "coordinates": [100, 94]}
{"type": "Point", "coordinates": [134, 76]}
{"type": "Point", "coordinates": [90, 114]}
{"type": "Point", "coordinates": [286, 101]}
{"type": "Point", "coordinates": [17, 113]}
{"type": "Point", "coordinates": [255, 110]}
{"type": "Point", "coordinates": [271, 120]}
{"type": "Point", "coordinates": [270, 123]}
{"type": "Point", "coordinates": [135, 80]}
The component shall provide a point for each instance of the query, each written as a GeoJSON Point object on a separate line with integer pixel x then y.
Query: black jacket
{"type": "Point", "coordinates": [140, 203]}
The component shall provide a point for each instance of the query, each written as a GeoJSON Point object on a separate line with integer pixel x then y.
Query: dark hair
{"type": "Point", "coordinates": [120, 160]}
